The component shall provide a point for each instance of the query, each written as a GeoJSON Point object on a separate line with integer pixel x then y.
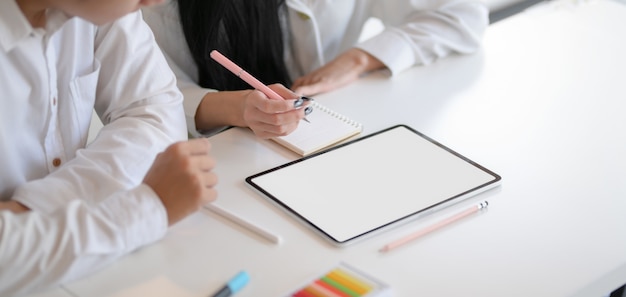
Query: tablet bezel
{"type": "Point", "coordinates": [414, 215]}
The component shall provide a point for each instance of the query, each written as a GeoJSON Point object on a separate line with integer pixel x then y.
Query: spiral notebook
{"type": "Point", "coordinates": [325, 127]}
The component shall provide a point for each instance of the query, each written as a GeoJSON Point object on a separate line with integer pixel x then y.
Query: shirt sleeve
{"type": "Point", "coordinates": [40, 250]}
{"type": "Point", "coordinates": [164, 20]}
{"type": "Point", "coordinates": [419, 32]}
{"type": "Point", "coordinates": [141, 108]}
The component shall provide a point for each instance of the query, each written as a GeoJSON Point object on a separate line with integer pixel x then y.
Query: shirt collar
{"type": "Point", "coordinates": [14, 26]}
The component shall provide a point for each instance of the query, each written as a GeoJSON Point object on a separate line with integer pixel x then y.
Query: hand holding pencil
{"type": "Point", "coordinates": [271, 117]}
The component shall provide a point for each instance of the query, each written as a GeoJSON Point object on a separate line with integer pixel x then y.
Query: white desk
{"type": "Point", "coordinates": [543, 105]}
{"type": "Point", "coordinates": [57, 292]}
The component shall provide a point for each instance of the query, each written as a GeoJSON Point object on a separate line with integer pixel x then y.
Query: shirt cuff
{"type": "Point", "coordinates": [193, 96]}
{"type": "Point", "coordinates": [139, 214]}
{"type": "Point", "coordinates": [392, 50]}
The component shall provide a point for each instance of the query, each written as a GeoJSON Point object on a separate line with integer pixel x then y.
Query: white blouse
{"type": "Point", "coordinates": [417, 32]}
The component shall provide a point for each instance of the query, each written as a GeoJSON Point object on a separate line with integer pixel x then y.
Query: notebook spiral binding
{"type": "Point", "coordinates": [336, 114]}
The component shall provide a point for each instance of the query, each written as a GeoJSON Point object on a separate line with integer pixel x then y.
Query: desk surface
{"type": "Point", "coordinates": [542, 105]}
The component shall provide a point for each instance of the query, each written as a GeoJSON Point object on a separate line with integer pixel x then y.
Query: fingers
{"type": "Point", "coordinates": [317, 82]}
{"type": "Point", "coordinates": [270, 117]}
{"type": "Point", "coordinates": [299, 83]}
{"type": "Point", "coordinates": [310, 89]}
{"type": "Point", "coordinates": [342, 70]}
{"type": "Point", "coordinates": [13, 206]}
{"type": "Point", "coordinates": [204, 164]}
{"type": "Point", "coordinates": [283, 91]}
{"type": "Point", "coordinates": [196, 146]}
{"type": "Point", "coordinates": [270, 106]}
{"type": "Point", "coordinates": [206, 190]}
{"type": "Point", "coordinates": [266, 131]}
{"type": "Point", "coordinates": [182, 177]}
{"type": "Point", "coordinates": [267, 125]}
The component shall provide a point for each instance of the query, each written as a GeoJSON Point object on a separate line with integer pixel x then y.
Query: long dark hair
{"type": "Point", "coordinates": [246, 31]}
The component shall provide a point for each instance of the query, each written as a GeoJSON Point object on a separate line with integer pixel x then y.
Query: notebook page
{"type": "Point", "coordinates": [325, 128]}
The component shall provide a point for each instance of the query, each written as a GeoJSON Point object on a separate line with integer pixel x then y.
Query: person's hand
{"type": "Point", "coordinates": [13, 206]}
{"type": "Point", "coordinates": [269, 118]}
{"type": "Point", "coordinates": [266, 117]}
{"type": "Point", "coordinates": [182, 177]}
{"type": "Point", "coordinates": [337, 73]}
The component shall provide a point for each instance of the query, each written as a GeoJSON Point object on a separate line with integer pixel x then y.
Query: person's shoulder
{"type": "Point", "coordinates": [165, 13]}
{"type": "Point", "coordinates": [168, 9]}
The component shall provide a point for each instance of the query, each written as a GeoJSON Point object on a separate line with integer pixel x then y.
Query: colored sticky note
{"type": "Point", "coordinates": [342, 281]}
{"type": "Point", "coordinates": [350, 281]}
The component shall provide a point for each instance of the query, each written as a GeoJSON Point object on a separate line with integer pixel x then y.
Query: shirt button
{"type": "Point", "coordinates": [54, 101]}
{"type": "Point", "coordinates": [56, 162]}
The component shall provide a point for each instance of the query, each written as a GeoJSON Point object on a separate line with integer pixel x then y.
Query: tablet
{"type": "Point", "coordinates": [369, 184]}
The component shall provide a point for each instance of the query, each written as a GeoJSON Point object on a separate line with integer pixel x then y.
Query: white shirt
{"type": "Point", "coordinates": [89, 206]}
{"type": "Point", "coordinates": [417, 32]}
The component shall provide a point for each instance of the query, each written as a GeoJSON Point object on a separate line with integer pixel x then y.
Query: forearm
{"type": "Point", "coordinates": [344, 69]}
{"type": "Point", "coordinates": [361, 61]}
{"type": "Point", "coordinates": [419, 36]}
{"type": "Point", "coordinates": [221, 109]}
{"type": "Point", "coordinates": [38, 250]}
{"type": "Point", "coordinates": [116, 160]}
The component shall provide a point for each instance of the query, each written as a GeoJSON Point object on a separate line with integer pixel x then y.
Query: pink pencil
{"type": "Point", "coordinates": [433, 227]}
{"type": "Point", "coordinates": [245, 76]}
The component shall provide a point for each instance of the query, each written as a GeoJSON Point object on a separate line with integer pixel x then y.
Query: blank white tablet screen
{"type": "Point", "coordinates": [351, 190]}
